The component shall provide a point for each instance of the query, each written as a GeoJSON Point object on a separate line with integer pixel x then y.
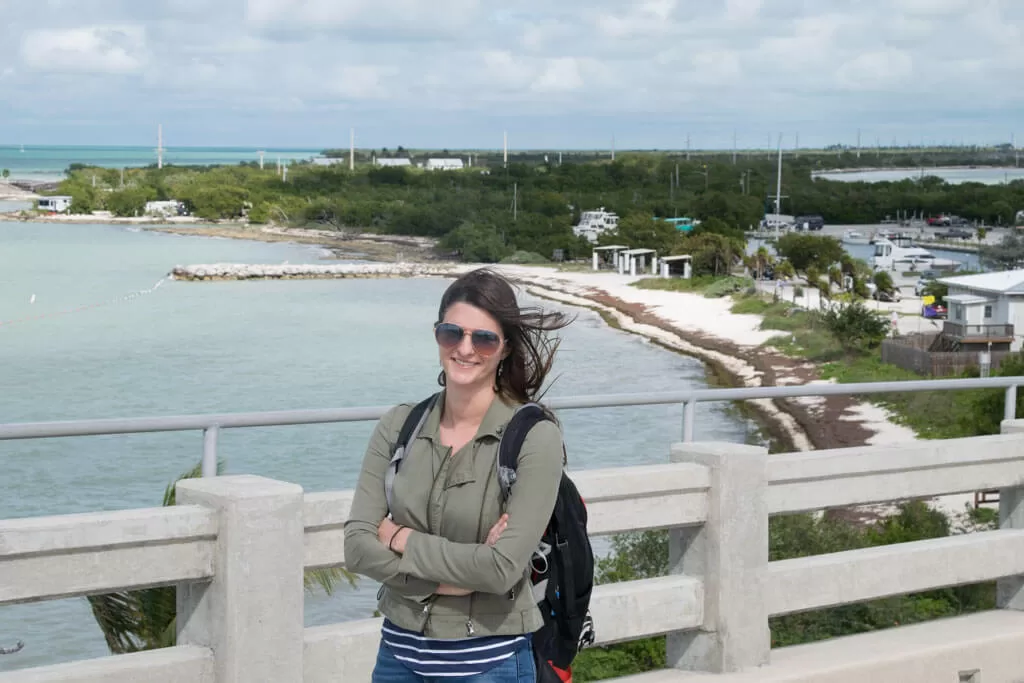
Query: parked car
{"type": "Point", "coordinates": [955, 234]}
{"type": "Point", "coordinates": [812, 222]}
{"type": "Point", "coordinates": [886, 295]}
{"type": "Point", "coordinates": [934, 311]}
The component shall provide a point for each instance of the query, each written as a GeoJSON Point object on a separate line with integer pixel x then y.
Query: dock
{"type": "Point", "coordinates": [300, 271]}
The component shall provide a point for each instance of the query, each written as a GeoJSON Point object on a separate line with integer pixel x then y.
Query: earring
{"type": "Point", "coordinates": [441, 379]}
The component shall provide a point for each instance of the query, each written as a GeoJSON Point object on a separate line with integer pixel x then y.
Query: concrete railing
{"type": "Point", "coordinates": [211, 425]}
{"type": "Point", "coordinates": [237, 546]}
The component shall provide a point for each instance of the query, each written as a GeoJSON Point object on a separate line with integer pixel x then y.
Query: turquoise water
{"type": "Point", "coordinates": [989, 176]}
{"type": "Point", "coordinates": [236, 346]}
{"type": "Point", "coordinates": [46, 162]}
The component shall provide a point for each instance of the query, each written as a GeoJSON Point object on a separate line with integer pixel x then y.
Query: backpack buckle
{"type": "Point", "coordinates": [506, 478]}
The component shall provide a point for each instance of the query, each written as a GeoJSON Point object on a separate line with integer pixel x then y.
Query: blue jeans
{"type": "Point", "coordinates": [516, 669]}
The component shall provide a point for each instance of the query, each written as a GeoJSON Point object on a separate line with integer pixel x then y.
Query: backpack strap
{"type": "Point", "coordinates": [512, 438]}
{"type": "Point", "coordinates": [410, 430]}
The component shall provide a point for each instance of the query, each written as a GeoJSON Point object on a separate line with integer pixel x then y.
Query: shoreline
{"type": "Point", "coordinates": [732, 345]}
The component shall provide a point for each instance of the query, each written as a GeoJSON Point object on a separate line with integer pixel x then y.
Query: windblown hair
{"type": "Point", "coordinates": [522, 372]}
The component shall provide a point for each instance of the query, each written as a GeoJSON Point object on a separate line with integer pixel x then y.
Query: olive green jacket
{"type": "Point", "coordinates": [451, 503]}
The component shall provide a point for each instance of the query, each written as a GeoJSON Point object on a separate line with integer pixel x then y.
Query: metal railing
{"type": "Point", "coordinates": [211, 424]}
{"type": "Point", "coordinates": [963, 331]}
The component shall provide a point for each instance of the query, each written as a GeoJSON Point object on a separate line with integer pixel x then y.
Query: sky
{"type": "Point", "coordinates": [558, 74]}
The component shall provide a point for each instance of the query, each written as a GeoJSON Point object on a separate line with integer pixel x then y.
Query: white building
{"type": "Point", "coordinates": [984, 310]}
{"type": "Point", "coordinates": [56, 204]}
{"type": "Point", "coordinates": [444, 164]}
{"type": "Point", "coordinates": [328, 161]}
{"type": "Point", "coordinates": [595, 223]}
{"type": "Point", "coordinates": [393, 162]}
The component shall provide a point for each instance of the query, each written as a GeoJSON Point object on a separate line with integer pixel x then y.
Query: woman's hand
{"type": "Point", "coordinates": [392, 535]}
{"type": "Point", "coordinates": [497, 530]}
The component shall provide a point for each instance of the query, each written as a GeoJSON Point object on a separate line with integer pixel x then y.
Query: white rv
{"type": "Point", "coordinates": [594, 223]}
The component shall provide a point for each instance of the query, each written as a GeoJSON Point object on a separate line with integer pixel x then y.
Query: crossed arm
{"type": "Point", "coordinates": [420, 564]}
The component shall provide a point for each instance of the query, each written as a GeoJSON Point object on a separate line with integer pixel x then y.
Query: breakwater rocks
{"type": "Point", "coordinates": [299, 271]}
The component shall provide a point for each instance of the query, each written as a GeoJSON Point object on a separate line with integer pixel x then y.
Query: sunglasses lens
{"type": "Point", "coordinates": [448, 335]}
{"type": "Point", "coordinates": [485, 342]}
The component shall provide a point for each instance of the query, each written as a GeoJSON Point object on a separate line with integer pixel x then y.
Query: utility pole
{"type": "Point", "coordinates": [613, 148]}
{"type": "Point", "coordinates": [261, 153]}
{"type": "Point", "coordinates": [506, 149]}
{"type": "Point", "coordinates": [159, 145]}
{"type": "Point", "coordinates": [351, 149]}
{"type": "Point", "coordinates": [858, 143]}
{"type": "Point", "coordinates": [687, 146]}
{"type": "Point", "coordinates": [515, 202]}
{"type": "Point", "coordinates": [734, 147]}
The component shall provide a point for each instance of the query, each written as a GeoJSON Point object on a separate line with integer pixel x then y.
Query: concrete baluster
{"type": "Point", "coordinates": [730, 553]}
{"type": "Point", "coordinates": [251, 613]}
{"type": "Point", "coordinates": [1010, 591]}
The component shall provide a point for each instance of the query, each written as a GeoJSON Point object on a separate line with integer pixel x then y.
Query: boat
{"type": "Point", "coordinates": [892, 256]}
{"type": "Point", "coordinates": [595, 223]}
{"type": "Point", "coordinates": [854, 237]}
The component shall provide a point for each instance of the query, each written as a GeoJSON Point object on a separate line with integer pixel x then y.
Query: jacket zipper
{"type": "Point", "coordinates": [470, 630]}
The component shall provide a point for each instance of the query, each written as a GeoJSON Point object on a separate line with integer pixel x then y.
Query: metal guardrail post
{"type": "Point", "coordinates": [210, 451]}
{"type": "Point", "coordinates": [1010, 410]}
{"type": "Point", "coordinates": [689, 412]}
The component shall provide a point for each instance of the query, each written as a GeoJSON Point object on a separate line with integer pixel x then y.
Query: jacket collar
{"type": "Point", "coordinates": [495, 420]}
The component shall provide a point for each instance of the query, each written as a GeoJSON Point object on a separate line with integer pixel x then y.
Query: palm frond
{"type": "Point", "coordinates": [327, 579]}
{"type": "Point", "coordinates": [132, 621]}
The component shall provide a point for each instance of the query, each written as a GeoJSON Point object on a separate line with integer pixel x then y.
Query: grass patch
{"type": "Point", "coordinates": [931, 414]}
{"type": "Point", "coordinates": [708, 285]}
{"type": "Point", "coordinates": [806, 337]}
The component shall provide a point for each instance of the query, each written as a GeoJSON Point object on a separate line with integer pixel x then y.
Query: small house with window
{"type": "Point", "coordinates": [984, 311]}
{"type": "Point", "coordinates": [56, 203]}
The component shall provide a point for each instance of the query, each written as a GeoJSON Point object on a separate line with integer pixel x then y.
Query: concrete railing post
{"type": "Point", "coordinates": [1010, 591]}
{"type": "Point", "coordinates": [730, 553]}
{"type": "Point", "coordinates": [251, 613]}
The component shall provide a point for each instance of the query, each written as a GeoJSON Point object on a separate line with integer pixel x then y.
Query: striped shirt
{"type": "Point", "coordinates": [449, 658]}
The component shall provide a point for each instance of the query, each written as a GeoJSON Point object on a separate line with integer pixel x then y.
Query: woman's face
{"type": "Point", "coordinates": [470, 344]}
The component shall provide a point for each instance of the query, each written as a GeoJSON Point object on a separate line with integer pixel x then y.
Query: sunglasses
{"type": "Point", "coordinates": [449, 335]}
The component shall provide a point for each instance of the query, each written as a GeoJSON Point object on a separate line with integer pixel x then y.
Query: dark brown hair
{"type": "Point", "coordinates": [522, 372]}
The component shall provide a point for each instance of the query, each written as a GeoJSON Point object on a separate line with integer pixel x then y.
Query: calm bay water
{"type": "Point", "coordinates": [988, 176]}
{"type": "Point", "coordinates": [225, 347]}
{"type": "Point", "coordinates": [48, 162]}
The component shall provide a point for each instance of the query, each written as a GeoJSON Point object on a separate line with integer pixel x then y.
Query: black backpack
{"type": "Point", "coordinates": [562, 567]}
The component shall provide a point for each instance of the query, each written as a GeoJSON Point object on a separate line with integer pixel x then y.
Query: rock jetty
{"type": "Point", "coordinates": [299, 271]}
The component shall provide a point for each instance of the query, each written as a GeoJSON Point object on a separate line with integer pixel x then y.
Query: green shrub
{"type": "Point", "coordinates": [856, 328]}
{"type": "Point", "coordinates": [525, 258]}
{"type": "Point", "coordinates": [644, 555]}
{"type": "Point", "coordinates": [726, 286]}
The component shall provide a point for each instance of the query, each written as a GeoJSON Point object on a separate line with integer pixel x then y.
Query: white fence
{"type": "Point", "coordinates": [237, 547]}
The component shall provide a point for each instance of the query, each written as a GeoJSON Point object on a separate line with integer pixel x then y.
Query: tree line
{"type": "Point", "coordinates": [487, 213]}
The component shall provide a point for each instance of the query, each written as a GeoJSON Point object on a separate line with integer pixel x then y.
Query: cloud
{"type": "Point", "coordinates": [364, 19]}
{"type": "Point", "coordinates": [654, 70]}
{"type": "Point", "coordinates": [94, 49]}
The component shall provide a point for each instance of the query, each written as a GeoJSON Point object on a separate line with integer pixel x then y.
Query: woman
{"type": "Point", "coordinates": [452, 557]}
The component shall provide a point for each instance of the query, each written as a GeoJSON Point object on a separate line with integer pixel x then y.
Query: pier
{"type": "Point", "coordinates": [298, 271]}
{"type": "Point", "coordinates": [236, 548]}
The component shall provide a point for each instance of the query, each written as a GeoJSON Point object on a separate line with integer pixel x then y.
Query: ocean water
{"type": "Point", "coordinates": [87, 334]}
{"type": "Point", "coordinates": [988, 176]}
{"type": "Point", "coordinates": [48, 162]}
